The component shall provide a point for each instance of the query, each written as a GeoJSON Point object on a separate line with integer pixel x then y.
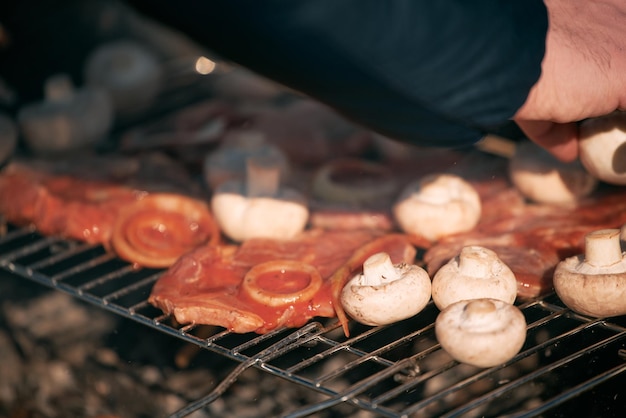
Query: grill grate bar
{"type": "Point", "coordinates": [465, 383]}
{"type": "Point", "coordinates": [128, 289]}
{"type": "Point", "coordinates": [16, 234]}
{"type": "Point", "coordinates": [335, 347]}
{"type": "Point", "coordinates": [82, 267]}
{"type": "Point", "coordinates": [409, 384]}
{"type": "Point", "coordinates": [515, 383]}
{"type": "Point", "coordinates": [561, 311]}
{"type": "Point", "coordinates": [355, 389]}
{"type": "Point", "coordinates": [116, 274]}
{"type": "Point", "coordinates": [484, 373]}
{"type": "Point", "coordinates": [138, 306]}
{"type": "Point", "coordinates": [31, 248]}
{"type": "Point", "coordinates": [571, 393]}
{"type": "Point", "coordinates": [293, 340]}
{"type": "Point", "coordinates": [255, 341]}
{"type": "Point", "coordinates": [178, 333]}
{"type": "Point", "coordinates": [56, 258]}
{"type": "Point", "coordinates": [374, 355]}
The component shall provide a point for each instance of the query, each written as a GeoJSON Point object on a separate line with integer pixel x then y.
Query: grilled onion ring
{"type": "Point", "coordinates": [354, 181]}
{"type": "Point", "coordinates": [156, 230]}
{"type": "Point", "coordinates": [291, 281]}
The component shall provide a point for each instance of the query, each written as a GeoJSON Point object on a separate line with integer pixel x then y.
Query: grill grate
{"type": "Point", "coordinates": [394, 371]}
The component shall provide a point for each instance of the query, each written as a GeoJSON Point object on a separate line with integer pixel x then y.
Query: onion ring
{"type": "Point", "coordinates": [294, 273]}
{"type": "Point", "coordinates": [354, 181]}
{"type": "Point", "coordinates": [156, 230]}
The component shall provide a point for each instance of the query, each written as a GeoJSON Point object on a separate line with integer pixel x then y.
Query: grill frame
{"type": "Point", "coordinates": [389, 355]}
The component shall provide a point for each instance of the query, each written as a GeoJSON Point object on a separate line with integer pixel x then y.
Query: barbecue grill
{"type": "Point", "coordinates": [569, 363]}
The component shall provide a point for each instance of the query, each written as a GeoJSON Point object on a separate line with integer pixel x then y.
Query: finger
{"type": "Point", "coordinates": [560, 139]}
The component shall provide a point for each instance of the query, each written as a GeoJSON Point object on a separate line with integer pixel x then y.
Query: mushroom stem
{"type": "Point", "coordinates": [479, 315]}
{"type": "Point", "coordinates": [479, 307]}
{"type": "Point", "coordinates": [263, 177]}
{"type": "Point", "coordinates": [602, 247]}
{"type": "Point", "coordinates": [474, 262]}
{"type": "Point", "coordinates": [59, 89]}
{"type": "Point", "coordinates": [378, 269]}
{"type": "Point", "coordinates": [250, 140]}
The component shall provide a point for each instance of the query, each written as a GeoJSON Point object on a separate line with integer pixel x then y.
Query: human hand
{"type": "Point", "coordinates": [583, 73]}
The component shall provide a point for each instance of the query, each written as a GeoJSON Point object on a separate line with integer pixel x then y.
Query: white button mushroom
{"type": "Point", "coordinates": [385, 293]}
{"type": "Point", "coordinates": [130, 73]}
{"type": "Point", "coordinates": [438, 205]}
{"type": "Point", "coordinates": [68, 119]}
{"type": "Point", "coordinates": [481, 332]}
{"type": "Point", "coordinates": [540, 177]}
{"type": "Point", "coordinates": [602, 147]}
{"type": "Point", "coordinates": [475, 273]}
{"type": "Point", "coordinates": [594, 283]}
{"type": "Point", "coordinates": [259, 207]}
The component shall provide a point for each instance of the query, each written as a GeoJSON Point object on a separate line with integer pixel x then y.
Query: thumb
{"type": "Point", "coordinates": [560, 139]}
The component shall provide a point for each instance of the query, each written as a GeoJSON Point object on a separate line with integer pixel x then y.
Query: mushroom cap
{"type": "Point", "coordinates": [594, 283]}
{"type": "Point", "coordinates": [475, 273]}
{"type": "Point", "coordinates": [229, 161]}
{"type": "Point", "coordinates": [241, 217]}
{"type": "Point", "coordinates": [597, 295]}
{"type": "Point", "coordinates": [130, 73]}
{"type": "Point", "coordinates": [394, 299]}
{"type": "Point", "coordinates": [540, 177]}
{"type": "Point", "coordinates": [481, 332]}
{"type": "Point", "coordinates": [437, 205]}
{"type": "Point", "coordinates": [602, 147]}
{"type": "Point", "coordinates": [68, 119]}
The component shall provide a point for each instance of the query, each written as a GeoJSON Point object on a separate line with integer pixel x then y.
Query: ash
{"type": "Point", "coordinates": [60, 357]}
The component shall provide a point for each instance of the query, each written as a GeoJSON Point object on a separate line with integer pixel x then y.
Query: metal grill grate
{"type": "Point", "coordinates": [394, 371]}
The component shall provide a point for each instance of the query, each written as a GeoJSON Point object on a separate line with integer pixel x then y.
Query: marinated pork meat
{"type": "Point", "coordinates": [531, 239]}
{"type": "Point", "coordinates": [210, 285]}
{"type": "Point", "coordinates": [84, 201]}
{"type": "Point", "coordinates": [62, 205]}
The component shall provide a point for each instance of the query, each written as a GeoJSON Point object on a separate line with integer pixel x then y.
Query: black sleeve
{"type": "Point", "coordinates": [430, 72]}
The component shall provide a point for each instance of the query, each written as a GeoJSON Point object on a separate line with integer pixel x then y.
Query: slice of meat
{"type": "Point", "coordinates": [83, 201]}
{"type": "Point", "coordinates": [62, 205]}
{"type": "Point", "coordinates": [205, 286]}
{"type": "Point", "coordinates": [350, 219]}
{"type": "Point", "coordinates": [20, 194]}
{"type": "Point", "coordinates": [532, 267]}
{"type": "Point", "coordinates": [531, 239]}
